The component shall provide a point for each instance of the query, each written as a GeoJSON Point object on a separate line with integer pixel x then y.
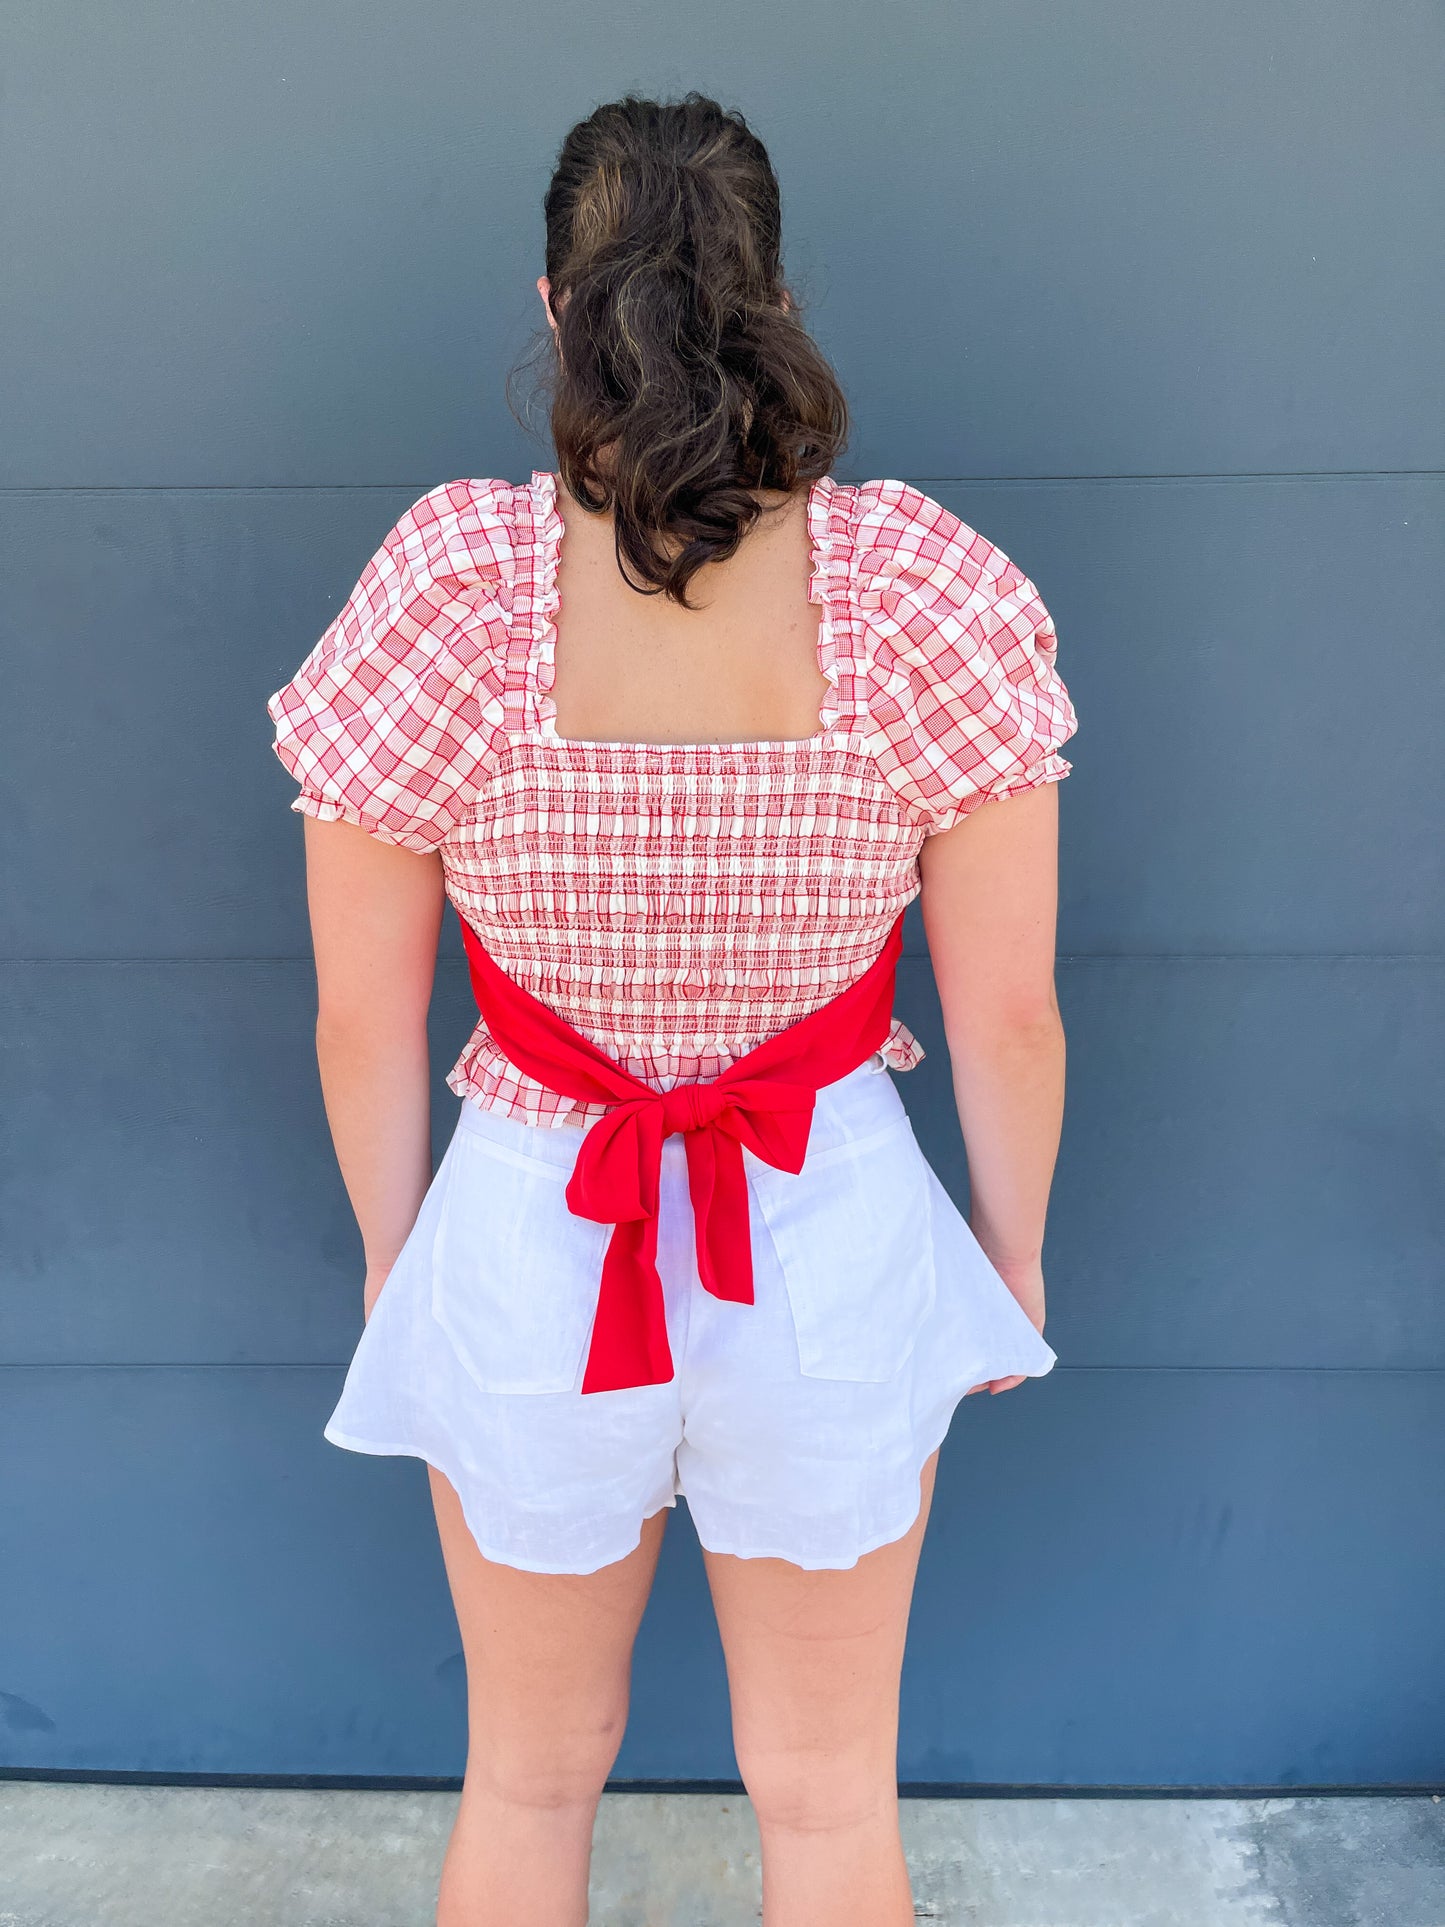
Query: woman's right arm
{"type": "Point", "coordinates": [990, 906]}
{"type": "Point", "coordinates": [390, 725]}
{"type": "Point", "coordinates": [376, 913]}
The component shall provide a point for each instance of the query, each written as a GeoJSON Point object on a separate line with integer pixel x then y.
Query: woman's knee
{"type": "Point", "coordinates": [532, 1766]}
{"type": "Point", "coordinates": [818, 1790]}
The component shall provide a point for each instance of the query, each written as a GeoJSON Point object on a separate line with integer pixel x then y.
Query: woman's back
{"type": "Point", "coordinates": [741, 665]}
{"type": "Point", "coordinates": [677, 894]}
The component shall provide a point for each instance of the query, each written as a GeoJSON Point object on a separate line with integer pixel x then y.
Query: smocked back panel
{"type": "Point", "coordinates": [676, 903]}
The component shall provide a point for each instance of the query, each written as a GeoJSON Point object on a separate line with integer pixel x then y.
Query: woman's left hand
{"type": "Point", "coordinates": [376, 1277]}
{"type": "Point", "coordinates": [997, 1384]}
{"type": "Point", "coordinates": [1026, 1282]}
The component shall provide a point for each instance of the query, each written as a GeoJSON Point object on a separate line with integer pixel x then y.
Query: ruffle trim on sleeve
{"type": "Point", "coordinates": [534, 638]}
{"type": "Point", "coordinates": [830, 537]}
{"type": "Point", "coordinates": [337, 809]}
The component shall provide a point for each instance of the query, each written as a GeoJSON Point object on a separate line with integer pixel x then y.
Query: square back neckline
{"type": "Point", "coordinates": [544, 545]}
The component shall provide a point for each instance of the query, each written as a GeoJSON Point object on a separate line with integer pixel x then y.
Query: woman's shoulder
{"type": "Point", "coordinates": [470, 523]}
{"type": "Point", "coordinates": [964, 696]}
{"type": "Point", "coordinates": [902, 534]}
{"type": "Point", "coordinates": [392, 716]}
{"type": "Point", "coordinates": [438, 582]}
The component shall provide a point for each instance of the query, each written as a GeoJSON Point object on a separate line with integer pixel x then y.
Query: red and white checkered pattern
{"type": "Point", "coordinates": [676, 903]}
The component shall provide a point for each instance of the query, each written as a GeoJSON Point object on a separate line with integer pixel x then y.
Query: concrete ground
{"type": "Point", "coordinates": [112, 1856]}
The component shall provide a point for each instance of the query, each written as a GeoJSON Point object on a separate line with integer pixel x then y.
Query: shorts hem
{"type": "Point", "coordinates": [889, 1536]}
{"type": "Point", "coordinates": [350, 1443]}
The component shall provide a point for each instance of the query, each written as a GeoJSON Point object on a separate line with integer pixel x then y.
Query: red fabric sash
{"type": "Point", "coordinates": [763, 1101]}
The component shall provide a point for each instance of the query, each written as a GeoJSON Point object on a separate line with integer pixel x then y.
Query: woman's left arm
{"type": "Point", "coordinates": [989, 905]}
{"type": "Point", "coordinates": [376, 913]}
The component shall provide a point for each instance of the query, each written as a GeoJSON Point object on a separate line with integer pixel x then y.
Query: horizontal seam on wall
{"type": "Point", "coordinates": [932, 481]}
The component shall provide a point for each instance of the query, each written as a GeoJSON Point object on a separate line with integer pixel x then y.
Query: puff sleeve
{"type": "Point", "coordinates": [391, 719]}
{"type": "Point", "coordinates": [965, 702]}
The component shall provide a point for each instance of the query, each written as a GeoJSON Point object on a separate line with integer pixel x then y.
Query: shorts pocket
{"type": "Point", "coordinates": [514, 1272]}
{"type": "Point", "coordinates": [854, 1239]}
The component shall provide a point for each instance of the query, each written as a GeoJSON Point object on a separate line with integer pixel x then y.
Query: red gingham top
{"type": "Point", "coordinates": [676, 903]}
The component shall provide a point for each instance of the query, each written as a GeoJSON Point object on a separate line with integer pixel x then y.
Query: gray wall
{"type": "Point", "coordinates": [1148, 293]}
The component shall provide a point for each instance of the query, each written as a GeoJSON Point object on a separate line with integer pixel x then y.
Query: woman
{"type": "Point", "coordinates": [679, 730]}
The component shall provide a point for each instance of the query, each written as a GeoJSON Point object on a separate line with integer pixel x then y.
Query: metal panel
{"type": "Point", "coordinates": [272, 244]}
{"type": "Point", "coordinates": [169, 1188]}
{"type": "Point", "coordinates": [1132, 1578]}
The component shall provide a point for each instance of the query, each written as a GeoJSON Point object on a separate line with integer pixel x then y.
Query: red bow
{"type": "Point", "coordinates": [764, 1101]}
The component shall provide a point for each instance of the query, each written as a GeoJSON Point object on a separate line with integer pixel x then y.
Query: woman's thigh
{"type": "Point", "coordinates": [548, 1656]}
{"type": "Point", "coordinates": [813, 1662]}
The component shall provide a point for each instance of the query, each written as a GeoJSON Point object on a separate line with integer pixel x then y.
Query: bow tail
{"type": "Point", "coordinates": [629, 1333]}
{"type": "Point", "coordinates": [717, 1183]}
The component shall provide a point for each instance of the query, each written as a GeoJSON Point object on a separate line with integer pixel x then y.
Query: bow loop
{"type": "Point", "coordinates": [615, 1178]}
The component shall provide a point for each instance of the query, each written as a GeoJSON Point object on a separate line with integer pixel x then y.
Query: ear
{"type": "Point", "coordinates": [544, 288]}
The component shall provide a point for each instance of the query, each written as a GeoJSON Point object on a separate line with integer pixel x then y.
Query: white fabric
{"type": "Point", "coordinates": [796, 1426]}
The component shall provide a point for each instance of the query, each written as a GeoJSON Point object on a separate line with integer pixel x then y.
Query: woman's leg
{"type": "Point", "coordinates": [548, 1659]}
{"type": "Point", "coordinates": [813, 1663]}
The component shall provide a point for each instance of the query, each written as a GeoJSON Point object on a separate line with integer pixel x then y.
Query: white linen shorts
{"type": "Point", "coordinates": [796, 1427]}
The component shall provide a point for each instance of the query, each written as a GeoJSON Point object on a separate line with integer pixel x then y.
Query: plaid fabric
{"type": "Point", "coordinates": [390, 721]}
{"type": "Point", "coordinates": [966, 703]}
{"type": "Point", "coordinates": [675, 903]}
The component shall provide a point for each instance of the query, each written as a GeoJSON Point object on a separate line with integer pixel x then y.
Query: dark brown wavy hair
{"type": "Point", "coordinates": [683, 379]}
